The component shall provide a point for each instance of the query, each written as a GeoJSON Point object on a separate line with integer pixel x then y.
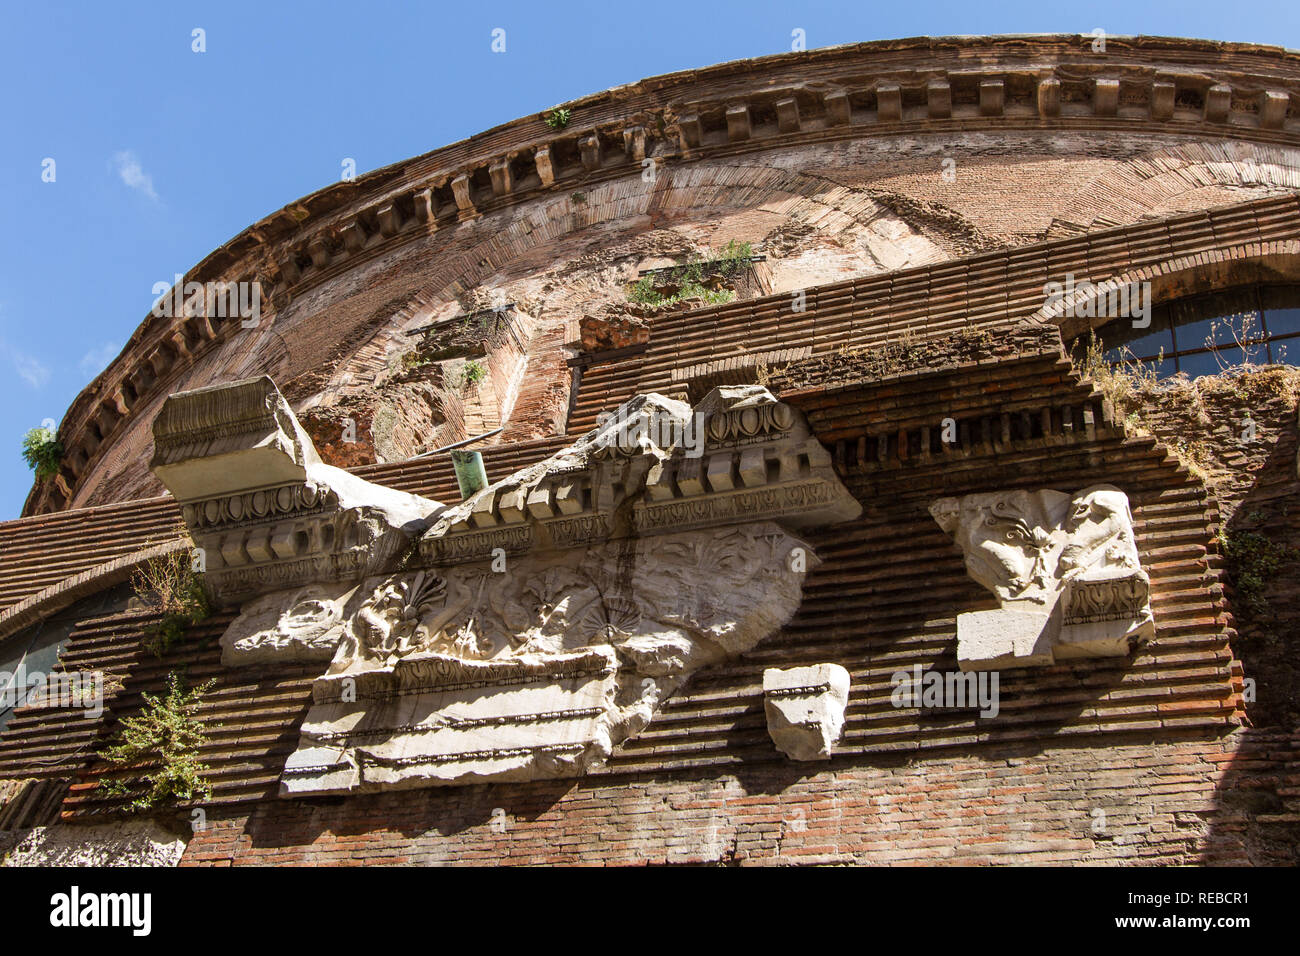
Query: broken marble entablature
{"type": "Point", "coordinates": [526, 631]}
{"type": "Point", "coordinates": [465, 674]}
{"type": "Point", "coordinates": [1065, 570]}
{"type": "Point", "coordinates": [266, 513]}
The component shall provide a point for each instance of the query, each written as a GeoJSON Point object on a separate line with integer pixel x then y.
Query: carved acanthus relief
{"type": "Point", "coordinates": [523, 632]}
{"type": "Point", "coordinates": [1064, 568]}
{"type": "Point", "coordinates": [479, 675]}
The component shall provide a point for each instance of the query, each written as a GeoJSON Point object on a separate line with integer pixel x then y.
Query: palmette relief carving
{"type": "Point", "coordinates": [468, 675]}
{"type": "Point", "coordinates": [1065, 569]}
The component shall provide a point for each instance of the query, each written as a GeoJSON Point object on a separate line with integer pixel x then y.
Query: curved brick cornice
{"type": "Point", "coordinates": [56, 597]}
{"type": "Point", "coordinates": [883, 89]}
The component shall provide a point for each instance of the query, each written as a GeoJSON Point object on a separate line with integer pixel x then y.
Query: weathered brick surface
{"type": "Point", "coordinates": [1258, 489]}
{"type": "Point", "coordinates": [1208, 800]}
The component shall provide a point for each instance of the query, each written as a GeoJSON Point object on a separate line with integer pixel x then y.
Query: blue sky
{"type": "Point", "coordinates": [161, 154]}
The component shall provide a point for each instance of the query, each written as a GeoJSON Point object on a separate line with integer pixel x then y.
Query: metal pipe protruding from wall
{"type": "Point", "coordinates": [471, 476]}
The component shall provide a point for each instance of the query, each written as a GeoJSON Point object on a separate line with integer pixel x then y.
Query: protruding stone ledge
{"type": "Point", "coordinates": [1162, 100]}
{"type": "Point", "coordinates": [1105, 97]}
{"type": "Point", "coordinates": [1218, 100]}
{"type": "Point", "coordinates": [738, 126]}
{"type": "Point", "coordinates": [464, 202]}
{"type": "Point", "coordinates": [1273, 108]}
{"type": "Point", "coordinates": [938, 99]}
{"type": "Point", "coordinates": [838, 109]}
{"type": "Point", "coordinates": [992, 97]}
{"type": "Point", "coordinates": [257, 500]}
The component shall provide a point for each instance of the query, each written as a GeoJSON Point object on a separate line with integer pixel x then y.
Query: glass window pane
{"type": "Point", "coordinates": [1163, 369]}
{"type": "Point", "coordinates": [1221, 319]}
{"type": "Point", "coordinates": [1119, 336]}
{"type": "Point", "coordinates": [1286, 352]}
{"type": "Point", "coordinates": [38, 647]}
{"type": "Point", "coordinates": [1282, 310]}
{"type": "Point", "coordinates": [1207, 363]}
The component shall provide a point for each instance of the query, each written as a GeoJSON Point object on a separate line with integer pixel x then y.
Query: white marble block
{"type": "Point", "coordinates": [805, 708]}
{"type": "Point", "coordinates": [1065, 570]}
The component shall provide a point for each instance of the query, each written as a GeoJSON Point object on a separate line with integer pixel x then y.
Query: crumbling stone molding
{"type": "Point", "coordinates": [526, 631]}
{"type": "Point", "coordinates": [1065, 570]}
{"type": "Point", "coordinates": [805, 709]}
{"type": "Point", "coordinates": [257, 500]}
{"type": "Point", "coordinates": [739, 455]}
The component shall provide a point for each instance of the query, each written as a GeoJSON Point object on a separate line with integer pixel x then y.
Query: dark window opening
{"type": "Point", "coordinates": [1206, 334]}
{"type": "Point", "coordinates": [33, 653]}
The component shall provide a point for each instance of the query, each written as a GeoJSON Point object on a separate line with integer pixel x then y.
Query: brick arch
{"type": "Point", "coordinates": [1170, 279]}
{"type": "Point", "coordinates": [72, 589]}
{"type": "Point", "coordinates": [1153, 183]}
{"type": "Point", "coordinates": [682, 194]}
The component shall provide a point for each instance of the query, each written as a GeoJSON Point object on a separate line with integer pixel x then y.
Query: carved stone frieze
{"type": "Point", "coordinates": [539, 622]}
{"type": "Point", "coordinates": [1065, 569]}
{"type": "Point", "coordinates": [464, 674]}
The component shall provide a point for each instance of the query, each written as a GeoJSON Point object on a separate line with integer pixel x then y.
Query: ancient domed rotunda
{"type": "Point", "coordinates": [822, 516]}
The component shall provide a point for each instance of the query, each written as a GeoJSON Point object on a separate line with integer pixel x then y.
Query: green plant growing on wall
{"type": "Point", "coordinates": [644, 291]}
{"type": "Point", "coordinates": [161, 746]}
{"type": "Point", "coordinates": [1253, 560]}
{"type": "Point", "coordinates": [171, 585]}
{"type": "Point", "coordinates": [43, 452]}
{"type": "Point", "coordinates": [412, 360]}
{"type": "Point", "coordinates": [473, 373]}
{"type": "Point", "coordinates": [689, 278]}
{"type": "Point", "coordinates": [558, 118]}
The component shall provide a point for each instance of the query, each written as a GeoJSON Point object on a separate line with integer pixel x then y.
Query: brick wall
{"type": "Point", "coordinates": [1258, 490]}
{"type": "Point", "coordinates": [1208, 800]}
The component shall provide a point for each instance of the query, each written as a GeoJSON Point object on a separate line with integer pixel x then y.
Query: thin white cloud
{"type": "Point", "coordinates": [133, 174]}
{"type": "Point", "coordinates": [29, 369]}
{"type": "Point", "coordinates": [97, 359]}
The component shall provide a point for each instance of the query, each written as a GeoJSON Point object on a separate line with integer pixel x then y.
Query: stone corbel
{"type": "Point", "coordinates": [460, 189]}
{"type": "Point", "coordinates": [805, 709]}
